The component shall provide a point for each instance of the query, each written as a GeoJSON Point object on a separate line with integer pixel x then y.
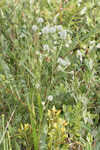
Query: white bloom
{"type": "Point", "coordinates": [31, 2]}
{"type": "Point", "coordinates": [43, 103]}
{"type": "Point", "coordinates": [50, 97]}
{"type": "Point", "coordinates": [46, 47]}
{"type": "Point", "coordinates": [22, 35]}
{"type": "Point", "coordinates": [52, 29]}
{"type": "Point", "coordinates": [91, 64]}
{"type": "Point", "coordinates": [79, 2]}
{"type": "Point", "coordinates": [83, 11]}
{"type": "Point", "coordinates": [34, 28]}
{"type": "Point", "coordinates": [90, 121]}
{"type": "Point", "coordinates": [40, 20]}
{"type": "Point", "coordinates": [41, 59]}
{"type": "Point", "coordinates": [70, 41]}
{"type": "Point", "coordinates": [63, 34]}
{"type": "Point", "coordinates": [98, 45]}
{"type": "Point", "coordinates": [55, 18]}
{"type": "Point", "coordinates": [85, 116]}
{"type": "Point", "coordinates": [92, 42]}
{"type": "Point", "coordinates": [40, 33]}
{"type": "Point", "coordinates": [55, 42]}
{"type": "Point", "coordinates": [79, 54]}
{"type": "Point", "coordinates": [37, 85]}
{"type": "Point", "coordinates": [46, 30]}
{"type": "Point", "coordinates": [37, 52]}
{"type": "Point", "coordinates": [60, 68]}
{"type": "Point", "coordinates": [67, 45]}
{"type": "Point", "coordinates": [72, 72]}
{"type": "Point", "coordinates": [59, 27]}
{"type": "Point", "coordinates": [63, 62]}
{"type": "Point", "coordinates": [67, 62]}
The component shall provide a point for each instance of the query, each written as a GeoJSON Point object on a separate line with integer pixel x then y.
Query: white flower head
{"type": "Point", "coordinates": [37, 52]}
{"type": "Point", "coordinates": [41, 59]}
{"type": "Point", "coordinates": [63, 62]}
{"type": "Point", "coordinates": [67, 45]}
{"type": "Point", "coordinates": [60, 60]}
{"type": "Point", "coordinates": [79, 54]}
{"type": "Point", "coordinates": [92, 42]}
{"type": "Point", "coordinates": [79, 2]}
{"type": "Point", "coordinates": [59, 27]}
{"type": "Point", "coordinates": [46, 47]}
{"type": "Point", "coordinates": [46, 30]}
{"type": "Point", "coordinates": [40, 20]}
{"type": "Point", "coordinates": [34, 28]}
{"type": "Point", "coordinates": [60, 68]}
{"type": "Point", "coordinates": [22, 35]}
{"type": "Point", "coordinates": [83, 11]}
{"type": "Point", "coordinates": [55, 42]}
{"type": "Point", "coordinates": [31, 2]}
{"type": "Point", "coordinates": [43, 103]}
{"type": "Point", "coordinates": [40, 33]}
{"type": "Point", "coordinates": [55, 18]}
{"type": "Point", "coordinates": [98, 45]}
{"type": "Point", "coordinates": [67, 62]}
{"type": "Point", "coordinates": [52, 29]}
{"type": "Point", "coordinates": [91, 64]}
{"type": "Point", "coordinates": [63, 34]}
{"type": "Point", "coordinates": [37, 85]}
{"type": "Point", "coordinates": [50, 97]}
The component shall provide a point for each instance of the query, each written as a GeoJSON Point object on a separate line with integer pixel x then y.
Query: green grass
{"type": "Point", "coordinates": [49, 74]}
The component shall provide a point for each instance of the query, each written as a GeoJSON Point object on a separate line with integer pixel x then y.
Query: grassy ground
{"type": "Point", "coordinates": [49, 74]}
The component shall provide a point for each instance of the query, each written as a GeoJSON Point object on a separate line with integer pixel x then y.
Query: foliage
{"type": "Point", "coordinates": [49, 74]}
{"type": "Point", "coordinates": [57, 133]}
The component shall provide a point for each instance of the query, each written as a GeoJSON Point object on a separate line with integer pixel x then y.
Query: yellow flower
{"type": "Point", "coordinates": [26, 126]}
{"type": "Point", "coordinates": [54, 109]}
{"type": "Point", "coordinates": [55, 125]}
{"type": "Point", "coordinates": [58, 112]}
{"type": "Point", "coordinates": [63, 129]}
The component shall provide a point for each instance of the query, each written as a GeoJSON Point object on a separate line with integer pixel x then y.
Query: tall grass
{"type": "Point", "coordinates": [49, 74]}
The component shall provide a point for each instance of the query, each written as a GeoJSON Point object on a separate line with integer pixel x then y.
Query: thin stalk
{"type": "Point", "coordinates": [3, 124]}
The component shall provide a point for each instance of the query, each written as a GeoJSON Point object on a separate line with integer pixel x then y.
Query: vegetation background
{"type": "Point", "coordinates": [49, 75]}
